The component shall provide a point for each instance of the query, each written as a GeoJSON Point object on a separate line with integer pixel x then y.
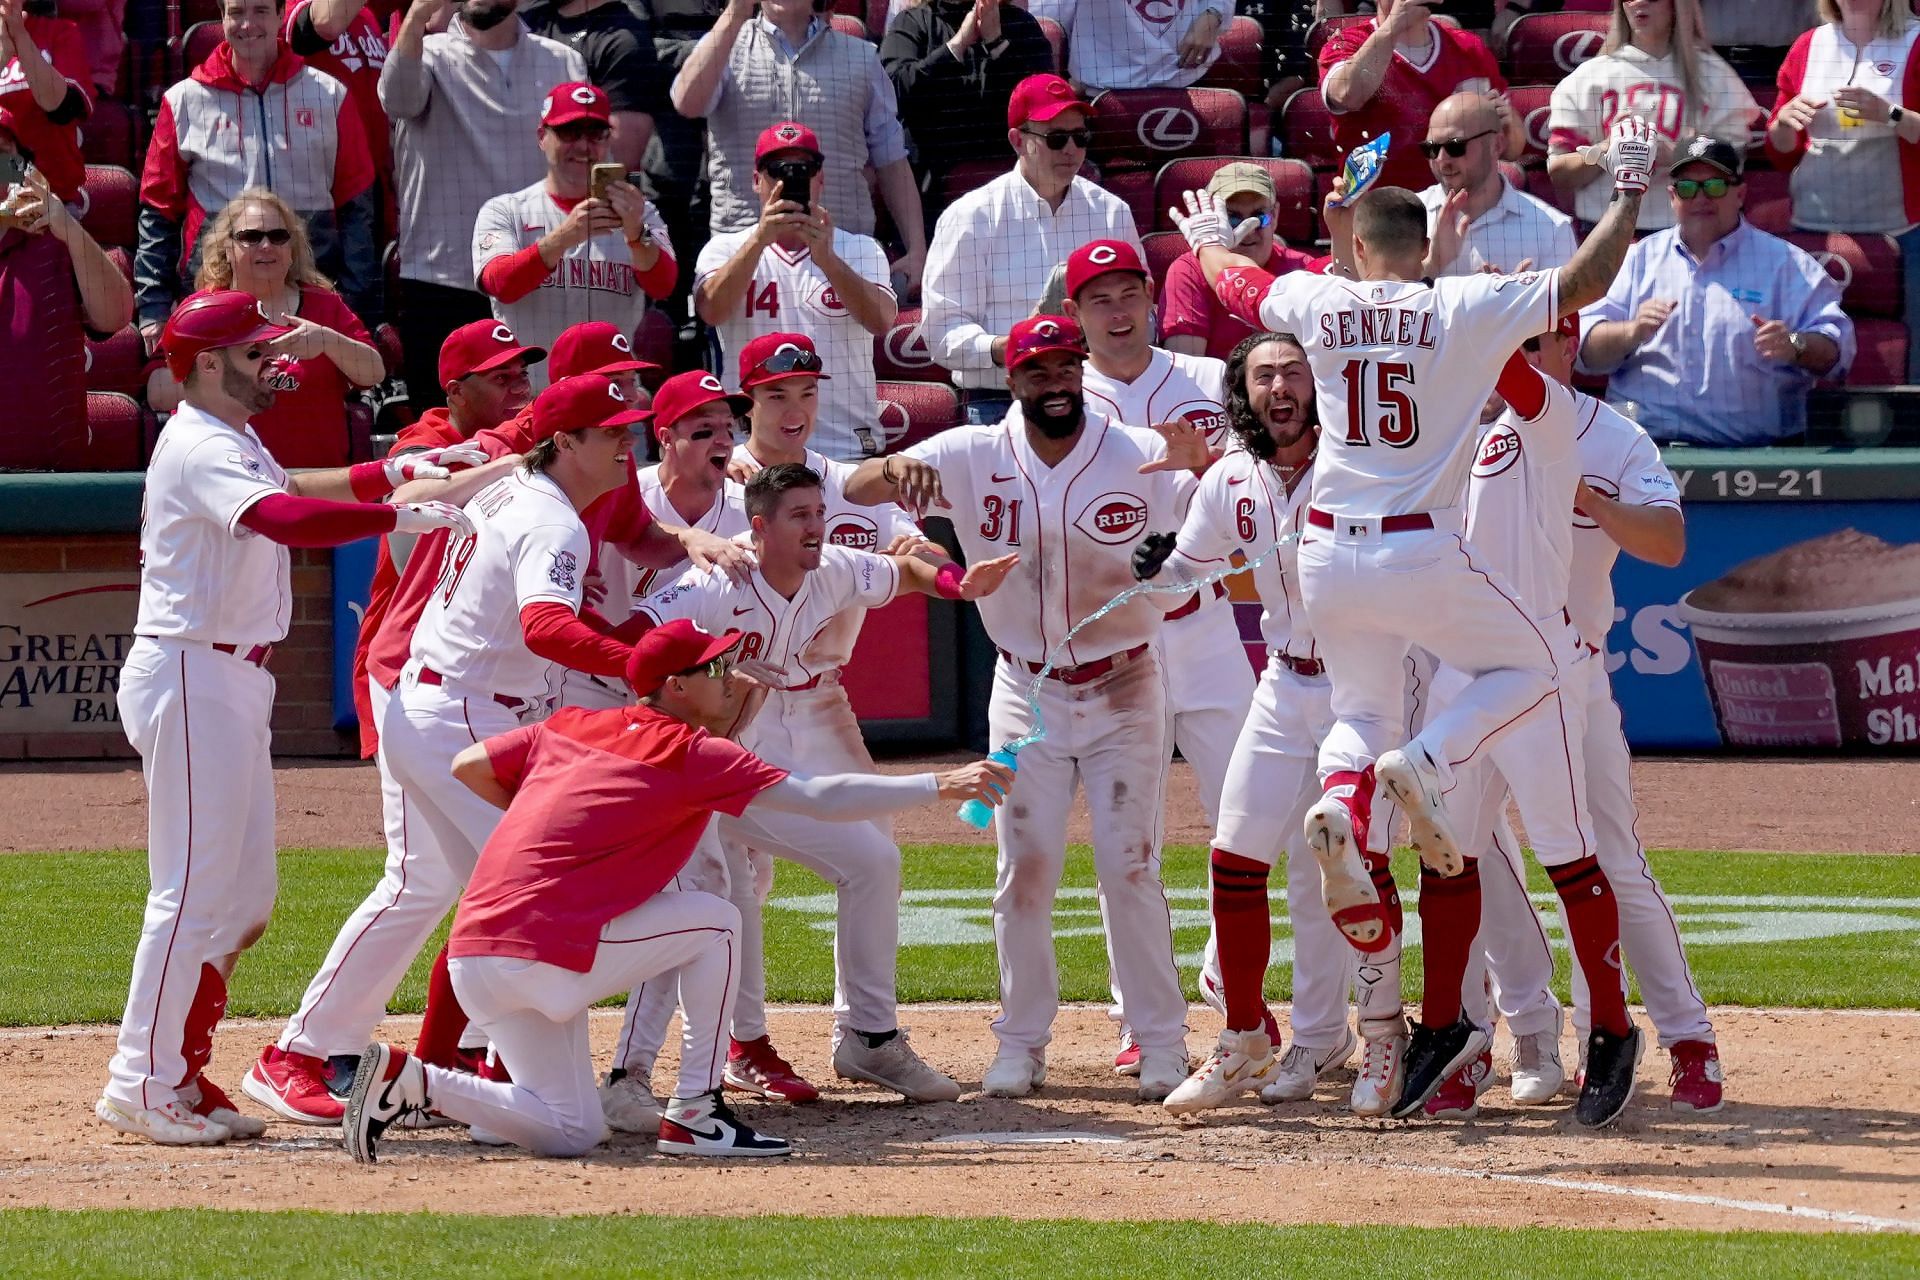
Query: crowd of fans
{"type": "Point", "coordinates": [700, 172]}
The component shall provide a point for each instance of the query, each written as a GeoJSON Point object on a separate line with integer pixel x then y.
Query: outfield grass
{"type": "Point", "coordinates": [208, 1245]}
{"type": "Point", "coordinates": [1822, 930]}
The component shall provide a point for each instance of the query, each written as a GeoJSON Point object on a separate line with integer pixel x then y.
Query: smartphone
{"type": "Point", "coordinates": [13, 168]}
{"type": "Point", "coordinates": [797, 185]}
{"type": "Point", "coordinates": [604, 176]}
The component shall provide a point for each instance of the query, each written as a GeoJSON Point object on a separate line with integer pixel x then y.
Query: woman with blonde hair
{"type": "Point", "coordinates": [258, 245]}
{"type": "Point", "coordinates": [1658, 64]}
{"type": "Point", "coordinates": [1842, 125]}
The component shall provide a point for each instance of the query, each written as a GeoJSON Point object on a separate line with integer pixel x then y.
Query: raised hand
{"type": "Point", "coordinates": [1204, 221]}
{"type": "Point", "coordinates": [984, 577]}
{"type": "Point", "coordinates": [1631, 153]}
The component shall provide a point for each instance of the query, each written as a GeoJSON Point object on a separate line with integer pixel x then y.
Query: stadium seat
{"type": "Point", "coordinates": [901, 355]}
{"type": "Point", "coordinates": [1306, 130]}
{"type": "Point", "coordinates": [1543, 48]}
{"type": "Point", "coordinates": [1533, 103]}
{"type": "Point", "coordinates": [1057, 38]}
{"type": "Point", "coordinates": [1866, 266]}
{"type": "Point", "coordinates": [1259, 128]}
{"type": "Point", "coordinates": [1162, 248]}
{"type": "Point", "coordinates": [1880, 354]}
{"type": "Point", "coordinates": [1324, 30]}
{"type": "Point", "coordinates": [1135, 186]}
{"type": "Point", "coordinates": [912, 411]}
{"type": "Point", "coordinates": [1239, 66]}
{"type": "Point", "coordinates": [1541, 187]}
{"type": "Point", "coordinates": [197, 45]}
{"type": "Point", "coordinates": [111, 134]}
{"type": "Point", "coordinates": [109, 205]}
{"type": "Point", "coordinates": [876, 16]}
{"type": "Point", "coordinates": [118, 363]}
{"type": "Point", "coordinates": [118, 430]}
{"type": "Point", "coordinates": [848, 25]}
{"type": "Point", "coordinates": [1769, 201]}
{"type": "Point", "coordinates": [123, 260]}
{"type": "Point", "coordinates": [194, 12]}
{"type": "Point", "coordinates": [653, 342]}
{"type": "Point", "coordinates": [1292, 181]}
{"type": "Point", "coordinates": [1143, 128]}
{"type": "Point", "coordinates": [970, 174]}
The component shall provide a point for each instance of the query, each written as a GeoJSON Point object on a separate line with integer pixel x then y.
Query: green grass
{"type": "Point", "coordinates": [208, 1245]}
{"type": "Point", "coordinates": [1823, 930]}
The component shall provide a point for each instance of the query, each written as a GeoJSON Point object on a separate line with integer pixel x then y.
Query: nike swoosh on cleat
{"type": "Point", "coordinates": [718, 1133]}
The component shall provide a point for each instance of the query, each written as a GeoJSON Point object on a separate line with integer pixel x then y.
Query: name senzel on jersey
{"type": "Point", "coordinates": [1378, 326]}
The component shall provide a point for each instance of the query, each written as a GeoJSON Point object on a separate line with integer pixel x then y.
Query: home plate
{"type": "Point", "coordinates": [1057, 1137]}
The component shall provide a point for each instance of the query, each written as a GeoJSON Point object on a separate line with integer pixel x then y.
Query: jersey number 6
{"type": "Point", "coordinates": [1399, 424]}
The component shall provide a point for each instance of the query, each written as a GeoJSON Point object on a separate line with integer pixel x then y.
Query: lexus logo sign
{"type": "Point", "coordinates": [1537, 131]}
{"type": "Point", "coordinates": [907, 347]}
{"type": "Point", "coordinates": [1574, 48]}
{"type": "Point", "coordinates": [1837, 266]}
{"type": "Point", "coordinates": [1168, 128]}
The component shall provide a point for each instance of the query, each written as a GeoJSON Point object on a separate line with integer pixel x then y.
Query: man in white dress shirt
{"type": "Point", "coordinates": [1478, 220]}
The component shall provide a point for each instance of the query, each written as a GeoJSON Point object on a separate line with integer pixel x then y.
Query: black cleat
{"type": "Point", "coordinates": [1433, 1054]}
{"type": "Point", "coordinates": [1611, 1065]}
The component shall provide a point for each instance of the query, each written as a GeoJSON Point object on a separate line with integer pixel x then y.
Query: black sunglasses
{"type": "Point", "coordinates": [1688, 188]}
{"type": "Point", "coordinates": [257, 236]}
{"type": "Point", "coordinates": [719, 668]}
{"type": "Point", "coordinates": [1455, 147]}
{"type": "Point", "coordinates": [797, 168]}
{"type": "Point", "coordinates": [790, 359]}
{"type": "Point", "coordinates": [581, 129]}
{"type": "Point", "coordinates": [1059, 138]}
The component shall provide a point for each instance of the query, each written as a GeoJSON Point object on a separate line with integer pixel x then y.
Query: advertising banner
{"type": "Point", "coordinates": [63, 640]}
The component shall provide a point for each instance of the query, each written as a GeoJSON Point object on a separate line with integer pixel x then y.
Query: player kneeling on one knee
{"type": "Point", "coordinates": [568, 903]}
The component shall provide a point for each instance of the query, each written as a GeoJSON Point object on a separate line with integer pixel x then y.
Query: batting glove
{"type": "Point", "coordinates": [425, 517]}
{"type": "Point", "coordinates": [1630, 154]}
{"type": "Point", "coordinates": [1151, 554]}
{"type": "Point", "coordinates": [433, 464]}
{"type": "Point", "coordinates": [1205, 221]}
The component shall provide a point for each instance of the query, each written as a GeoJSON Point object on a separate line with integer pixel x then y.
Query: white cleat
{"type": "Point", "coordinates": [1162, 1071]}
{"type": "Point", "coordinates": [1242, 1062]}
{"type": "Point", "coordinates": [1383, 1052]}
{"type": "Point", "coordinates": [1411, 779]}
{"type": "Point", "coordinates": [629, 1106]}
{"type": "Point", "coordinates": [1301, 1068]}
{"type": "Point", "coordinates": [170, 1124]}
{"type": "Point", "coordinates": [1015, 1073]}
{"type": "Point", "coordinates": [1538, 1072]}
{"type": "Point", "coordinates": [1343, 874]}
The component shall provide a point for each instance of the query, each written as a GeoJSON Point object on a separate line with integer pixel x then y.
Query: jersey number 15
{"type": "Point", "coordinates": [1389, 383]}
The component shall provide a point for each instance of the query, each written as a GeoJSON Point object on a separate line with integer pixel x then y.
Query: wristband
{"type": "Point", "coordinates": [947, 581]}
{"type": "Point", "coordinates": [368, 480]}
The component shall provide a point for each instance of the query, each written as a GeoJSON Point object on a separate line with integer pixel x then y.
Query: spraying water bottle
{"type": "Point", "coordinates": [977, 813]}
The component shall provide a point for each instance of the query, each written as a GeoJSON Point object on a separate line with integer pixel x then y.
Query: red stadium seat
{"type": "Point", "coordinates": [1534, 105]}
{"type": "Point", "coordinates": [1056, 39]}
{"type": "Point", "coordinates": [1543, 48]}
{"type": "Point", "coordinates": [123, 260]}
{"type": "Point", "coordinates": [1163, 248]}
{"type": "Point", "coordinates": [118, 364]}
{"type": "Point", "coordinates": [848, 25]}
{"type": "Point", "coordinates": [1325, 29]}
{"type": "Point", "coordinates": [1239, 66]}
{"type": "Point", "coordinates": [1292, 182]}
{"type": "Point", "coordinates": [111, 134]}
{"type": "Point", "coordinates": [1867, 268]}
{"type": "Point", "coordinates": [110, 204]}
{"type": "Point", "coordinates": [1259, 128]}
{"type": "Point", "coordinates": [1880, 354]}
{"type": "Point", "coordinates": [117, 433]}
{"type": "Point", "coordinates": [194, 12]}
{"type": "Point", "coordinates": [1135, 186]}
{"type": "Point", "coordinates": [1769, 201]}
{"type": "Point", "coordinates": [901, 355]}
{"type": "Point", "coordinates": [970, 174]}
{"type": "Point", "coordinates": [1142, 128]}
{"type": "Point", "coordinates": [912, 411]}
{"type": "Point", "coordinates": [653, 342]}
{"type": "Point", "coordinates": [876, 16]}
{"type": "Point", "coordinates": [198, 44]}
{"type": "Point", "coordinates": [1306, 130]}
{"type": "Point", "coordinates": [1541, 187]}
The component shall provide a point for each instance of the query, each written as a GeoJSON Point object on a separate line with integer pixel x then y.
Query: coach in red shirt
{"type": "Point", "coordinates": [1387, 74]}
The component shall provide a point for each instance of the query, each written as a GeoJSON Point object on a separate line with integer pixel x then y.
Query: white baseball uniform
{"type": "Point", "coordinates": [791, 294]}
{"type": "Point", "coordinates": [470, 677]}
{"type": "Point", "coordinates": [1103, 709]}
{"type": "Point", "coordinates": [199, 717]}
{"type": "Point", "coordinates": [594, 281]}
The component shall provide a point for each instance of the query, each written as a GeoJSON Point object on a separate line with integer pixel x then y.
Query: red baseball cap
{"type": "Point", "coordinates": [1041, 98]}
{"type": "Point", "coordinates": [593, 347]}
{"type": "Point", "coordinates": [671, 648]}
{"type": "Point", "coordinates": [1091, 261]}
{"type": "Point", "coordinates": [209, 320]}
{"type": "Point", "coordinates": [580, 402]}
{"type": "Point", "coordinates": [575, 100]}
{"type": "Point", "coordinates": [773, 356]}
{"type": "Point", "coordinates": [1037, 335]}
{"type": "Point", "coordinates": [480, 346]}
{"type": "Point", "coordinates": [788, 135]}
{"type": "Point", "coordinates": [681, 394]}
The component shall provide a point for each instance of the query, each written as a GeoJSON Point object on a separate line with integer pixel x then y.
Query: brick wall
{"type": "Point", "coordinates": [302, 664]}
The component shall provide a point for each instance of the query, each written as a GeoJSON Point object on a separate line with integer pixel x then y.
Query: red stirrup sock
{"type": "Point", "coordinates": [1449, 921]}
{"type": "Point", "coordinates": [1243, 932]}
{"type": "Point", "coordinates": [445, 1021]}
{"type": "Point", "coordinates": [1593, 921]}
{"type": "Point", "coordinates": [1380, 871]}
{"type": "Point", "coordinates": [203, 1015]}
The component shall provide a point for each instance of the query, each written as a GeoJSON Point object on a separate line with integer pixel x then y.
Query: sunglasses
{"type": "Point", "coordinates": [1713, 188]}
{"type": "Point", "coordinates": [256, 236]}
{"type": "Point", "coordinates": [791, 360]}
{"type": "Point", "coordinates": [1059, 138]}
{"type": "Point", "coordinates": [719, 669]}
{"type": "Point", "coordinates": [1264, 217]}
{"type": "Point", "coordinates": [795, 168]}
{"type": "Point", "coordinates": [581, 131]}
{"type": "Point", "coordinates": [1455, 147]}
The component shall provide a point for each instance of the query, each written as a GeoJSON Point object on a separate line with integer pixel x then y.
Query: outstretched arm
{"type": "Point", "coordinates": [1629, 156]}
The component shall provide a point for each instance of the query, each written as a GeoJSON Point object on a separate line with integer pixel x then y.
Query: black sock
{"type": "Point", "coordinates": [874, 1039]}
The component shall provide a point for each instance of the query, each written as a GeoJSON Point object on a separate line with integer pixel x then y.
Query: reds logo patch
{"type": "Point", "coordinates": [857, 532]}
{"type": "Point", "coordinates": [1113, 518]}
{"type": "Point", "coordinates": [828, 302]}
{"type": "Point", "coordinates": [489, 241]}
{"type": "Point", "coordinates": [303, 117]}
{"type": "Point", "coordinates": [564, 572]}
{"type": "Point", "coordinates": [1499, 449]}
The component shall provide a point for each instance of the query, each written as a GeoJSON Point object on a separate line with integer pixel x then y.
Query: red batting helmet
{"type": "Point", "coordinates": [209, 320]}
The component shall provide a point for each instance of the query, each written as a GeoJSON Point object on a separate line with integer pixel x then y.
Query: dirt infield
{"type": "Point", "coordinates": [1810, 1139]}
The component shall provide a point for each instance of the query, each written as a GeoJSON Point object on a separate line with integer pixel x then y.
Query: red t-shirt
{"type": "Point", "coordinates": [354, 59]}
{"type": "Point", "coordinates": [307, 427]}
{"type": "Point", "coordinates": [1189, 309]}
{"type": "Point", "coordinates": [43, 355]}
{"type": "Point", "coordinates": [55, 147]}
{"type": "Point", "coordinates": [1407, 96]}
{"type": "Point", "coordinates": [606, 810]}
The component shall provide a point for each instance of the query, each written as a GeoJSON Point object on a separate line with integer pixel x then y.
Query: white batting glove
{"type": "Point", "coordinates": [425, 517]}
{"type": "Point", "coordinates": [1631, 148]}
{"type": "Point", "coordinates": [432, 464]}
{"type": "Point", "coordinates": [1204, 222]}
{"type": "Point", "coordinates": [1247, 229]}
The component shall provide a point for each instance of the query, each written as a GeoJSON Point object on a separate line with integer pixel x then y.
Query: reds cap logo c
{"type": "Point", "coordinates": [1047, 329]}
{"type": "Point", "coordinates": [504, 336]}
{"type": "Point", "coordinates": [1113, 518]}
{"type": "Point", "coordinates": [614, 393]}
{"type": "Point", "coordinates": [585, 96]}
{"type": "Point", "coordinates": [711, 383]}
{"type": "Point", "coordinates": [786, 133]}
{"type": "Point", "coordinates": [619, 343]}
{"type": "Point", "coordinates": [1102, 255]}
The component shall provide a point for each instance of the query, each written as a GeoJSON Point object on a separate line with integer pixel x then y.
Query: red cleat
{"type": "Point", "coordinates": [292, 1086]}
{"type": "Point", "coordinates": [1696, 1078]}
{"type": "Point", "coordinates": [1459, 1097]}
{"type": "Point", "coordinates": [754, 1067]}
{"type": "Point", "coordinates": [1127, 1061]}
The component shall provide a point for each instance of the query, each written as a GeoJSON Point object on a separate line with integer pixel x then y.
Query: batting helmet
{"type": "Point", "coordinates": [209, 320]}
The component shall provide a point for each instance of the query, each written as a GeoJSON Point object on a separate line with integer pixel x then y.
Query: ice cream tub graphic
{"type": "Point", "coordinates": [1816, 645]}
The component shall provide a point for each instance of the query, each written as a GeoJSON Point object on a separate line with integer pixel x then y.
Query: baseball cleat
{"type": "Point", "coordinates": [1537, 1070]}
{"type": "Point", "coordinates": [1411, 779]}
{"type": "Point", "coordinates": [1433, 1054]}
{"type": "Point", "coordinates": [1162, 1071]}
{"type": "Point", "coordinates": [893, 1065]}
{"type": "Point", "coordinates": [388, 1084]}
{"type": "Point", "coordinates": [1302, 1066]}
{"type": "Point", "coordinates": [1242, 1062]}
{"type": "Point", "coordinates": [705, 1126]}
{"type": "Point", "coordinates": [1126, 1061]}
{"type": "Point", "coordinates": [215, 1105]}
{"type": "Point", "coordinates": [293, 1086]}
{"type": "Point", "coordinates": [1612, 1062]}
{"type": "Point", "coordinates": [628, 1105]}
{"type": "Point", "coordinates": [1696, 1078]}
{"type": "Point", "coordinates": [1383, 1065]}
{"type": "Point", "coordinates": [754, 1067]}
{"type": "Point", "coordinates": [1014, 1073]}
{"type": "Point", "coordinates": [1459, 1097]}
{"type": "Point", "coordinates": [170, 1124]}
{"type": "Point", "coordinates": [1351, 896]}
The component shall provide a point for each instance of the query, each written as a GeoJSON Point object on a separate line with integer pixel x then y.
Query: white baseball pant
{"type": "Point", "coordinates": [535, 1016]}
{"type": "Point", "coordinates": [1108, 735]}
{"type": "Point", "coordinates": [199, 719]}
{"type": "Point", "coordinates": [650, 1005]}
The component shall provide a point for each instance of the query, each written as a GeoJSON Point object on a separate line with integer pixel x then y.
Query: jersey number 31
{"type": "Point", "coordinates": [1389, 383]}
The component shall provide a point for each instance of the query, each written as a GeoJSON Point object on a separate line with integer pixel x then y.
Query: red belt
{"type": "Point", "coordinates": [429, 676]}
{"type": "Point", "coordinates": [1300, 666]}
{"type": "Point", "coordinates": [257, 655]}
{"type": "Point", "coordinates": [1192, 606]}
{"type": "Point", "coordinates": [1388, 524]}
{"type": "Point", "coordinates": [1084, 672]}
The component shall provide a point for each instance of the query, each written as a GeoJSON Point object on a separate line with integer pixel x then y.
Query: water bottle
{"type": "Point", "coordinates": [977, 813]}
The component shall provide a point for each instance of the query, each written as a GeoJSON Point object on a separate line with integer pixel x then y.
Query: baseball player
{"type": "Point", "coordinates": [1402, 369]}
{"type": "Point", "coordinates": [195, 697]}
{"type": "Point", "coordinates": [570, 902]}
{"type": "Point", "coordinates": [803, 587]}
{"type": "Point", "coordinates": [555, 253]}
{"type": "Point", "coordinates": [1072, 492]}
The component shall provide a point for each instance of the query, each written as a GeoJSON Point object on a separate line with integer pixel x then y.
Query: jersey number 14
{"type": "Point", "coordinates": [1389, 383]}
